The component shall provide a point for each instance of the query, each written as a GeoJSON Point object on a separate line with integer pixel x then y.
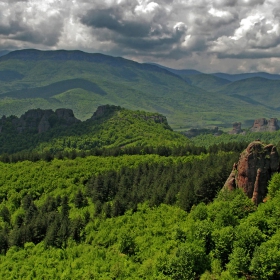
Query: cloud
{"type": "Point", "coordinates": [135, 25]}
{"type": "Point", "coordinates": [199, 33]}
{"type": "Point", "coordinates": [29, 21]}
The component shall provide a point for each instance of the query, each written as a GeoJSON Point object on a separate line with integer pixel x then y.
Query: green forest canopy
{"type": "Point", "coordinates": [136, 216]}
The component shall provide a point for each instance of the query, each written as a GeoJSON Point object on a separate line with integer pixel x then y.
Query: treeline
{"type": "Point", "coordinates": [183, 184]}
{"type": "Point", "coordinates": [230, 238]}
{"type": "Point", "coordinates": [166, 151]}
{"type": "Point", "coordinates": [49, 222]}
{"type": "Point", "coordinates": [113, 193]}
{"type": "Point", "coordinates": [207, 140]}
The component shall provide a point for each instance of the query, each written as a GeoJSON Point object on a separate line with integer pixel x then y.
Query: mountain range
{"type": "Point", "coordinates": [31, 79]}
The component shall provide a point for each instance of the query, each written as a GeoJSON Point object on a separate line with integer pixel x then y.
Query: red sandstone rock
{"type": "Point", "coordinates": [255, 166]}
{"type": "Point", "coordinates": [262, 124]}
{"type": "Point", "coordinates": [236, 128]}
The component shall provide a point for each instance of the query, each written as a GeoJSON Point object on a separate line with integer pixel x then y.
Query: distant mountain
{"type": "Point", "coordinates": [4, 52]}
{"type": "Point", "coordinates": [255, 91]}
{"type": "Point", "coordinates": [238, 77]}
{"type": "Point", "coordinates": [80, 81]}
{"type": "Point", "coordinates": [208, 82]}
{"type": "Point", "coordinates": [186, 72]}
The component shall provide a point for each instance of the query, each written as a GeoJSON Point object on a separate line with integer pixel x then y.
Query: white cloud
{"type": "Point", "coordinates": [180, 33]}
{"type": "Point", "coordinates": [146, 7]}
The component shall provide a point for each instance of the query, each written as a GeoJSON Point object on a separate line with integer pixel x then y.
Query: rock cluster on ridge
{"type": "Point", "coordinates": [38, 120]}
{"type": "Point", "coordinates": [103, 110]}
{"type": "Point", "coordinates": [255, 167]}
{"type": "Point", "coordinates": [236, 128]}
{"type": "Point", "coordinates": [262, 124]}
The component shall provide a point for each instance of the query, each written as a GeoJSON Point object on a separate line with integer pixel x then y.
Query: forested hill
{"type": "Point", "coordinates": [79, 81]}
{"type": "Point", "coordinates": [109, 127]}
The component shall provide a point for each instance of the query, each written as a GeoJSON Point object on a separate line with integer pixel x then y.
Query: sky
{"type": "Point", "coordinates": [232, 36]}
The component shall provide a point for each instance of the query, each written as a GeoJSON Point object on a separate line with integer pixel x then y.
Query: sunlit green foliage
{"type": "Point", "coordinates": [157, 243]}
{"type": "Point", "coordinates": [157, 214]}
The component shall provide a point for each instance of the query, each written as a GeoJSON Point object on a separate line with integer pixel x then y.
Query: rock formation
{"type": "Point", "coordinates": [255, 166]}
{"type": "Point", "coordinates": [102, 110]}
{"type": "Point", "coordinates": [38, 120]}
{"type": "Point", "coordinates": [261, 125]}
{"type": "Point", "coordinates": [236, 128]}
{"type": "Point", "coordinates": [272, 125]}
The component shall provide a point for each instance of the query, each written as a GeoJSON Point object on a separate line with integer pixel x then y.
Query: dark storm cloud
{"type": "Point", "coordinates": [250, 55]}
{"type": "Point", "coordinates": [157, 29]}
{"type": "Point", "coordinates": [46, 34]}
{"type": "Point", "coordinates": [134, 30]}
{"type": "Point", "coordinates": [23, 22]}
{"type": "Point", "coordinates": [112, 19]}
{"type": "Point", "coordinates": [173, 30]}
{"type": "Point", "coordinates": [12, 27]}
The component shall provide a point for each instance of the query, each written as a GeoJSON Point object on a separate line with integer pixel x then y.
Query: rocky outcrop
{"type": "Point", "coordinates": [38, 120]}
{"type": "Point", "coordinates": [272, 125]}
{"type": "Point", "coordinates": [262, 124]}
{"type": "Point", "coordinates": [255, 167]}
{"type": "Point", "coordinates": [236, 128]}
{"type": "Point", "coordinates": [66, 115]}
{"type": "Point", "coordinates": [103, 110]}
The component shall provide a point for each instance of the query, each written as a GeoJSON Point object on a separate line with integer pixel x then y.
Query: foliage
{"type": "Point", "coordinates": [116, 128]}
{"type": "Point", "coordinates": [81, 81]}
{"type": "Point", "coordinates": [226, 239]}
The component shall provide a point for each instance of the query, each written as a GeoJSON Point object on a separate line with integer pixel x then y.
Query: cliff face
{"type": "Point", "coordinates": [263, 124]}
{"type": "Point", "coordinates": [255, 167]}
{"type": "Point", "coordinates": [103, 110]}
{"type": "Point", "coordinates": [236, 128]}
{"type": "Point", "coordinates": [38, 120]}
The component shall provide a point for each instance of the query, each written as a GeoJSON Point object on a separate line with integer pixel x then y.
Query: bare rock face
{"type": "Point", "coordinates": [38, 120]}
{"type": "Point", "coordinates": [261, 125]}
{"type": "Point", "coordinates": [236, 128]}
{"type": "Point", "coordinates": [33, 120]}
{"type": "Point", "coordinates": [272, 125]}
{"type": "Point", "coordinates": [66, 116]}
{"type": "Point", "coordinates": [102, 110]}
{"type": "Point", "coordinates": [255, 167]}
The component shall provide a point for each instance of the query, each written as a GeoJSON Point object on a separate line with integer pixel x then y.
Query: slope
{"type": "Point", "coordinates": [109, 127]}
{"type": "Point", "coordinates": [243, 76]}
{"type": "Point", "coordinates": [255, 91]}
{"type": "Point", "coordinates": [82, 82]}
{"type": "Point", "coordinates": [208, 82]}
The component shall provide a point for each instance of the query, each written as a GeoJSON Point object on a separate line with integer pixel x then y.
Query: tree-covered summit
{"type": "Point", "coordinates": [110, 126]}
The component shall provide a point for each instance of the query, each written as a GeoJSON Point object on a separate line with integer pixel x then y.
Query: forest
{"type": "Point", "coordinates": [141, 203]}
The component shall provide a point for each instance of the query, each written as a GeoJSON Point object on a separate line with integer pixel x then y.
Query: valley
{"type": "Point", "coordinates": [99, 179]}
{"type": "Point", "coordinates": [32, 79]}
